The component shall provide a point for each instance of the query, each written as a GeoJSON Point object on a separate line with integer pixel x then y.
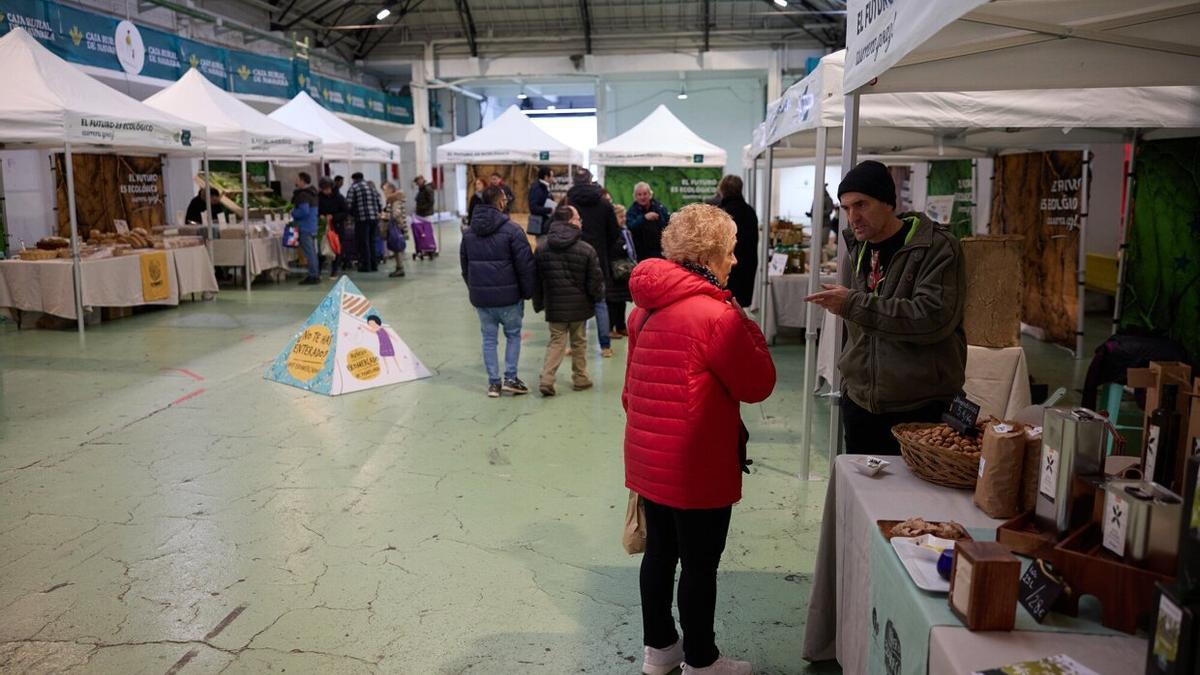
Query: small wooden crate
{"type": "Point", "coordinates": [984, 583]}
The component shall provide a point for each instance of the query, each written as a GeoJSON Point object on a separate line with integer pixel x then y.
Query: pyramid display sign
{"type": "Point", "coordinates": [345, 346]}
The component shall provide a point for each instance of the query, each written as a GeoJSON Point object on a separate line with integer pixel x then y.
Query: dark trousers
{"type": "Point", "coordinates": [695, 539]}
{"type": "Point", "coordinates": [871, 434]}
{"type": "Point", "coordinates": [616, 315]}
{"type": "Point", "coordinates": [364, 239]}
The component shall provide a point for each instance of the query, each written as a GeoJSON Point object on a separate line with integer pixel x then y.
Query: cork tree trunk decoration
{"type": "Point", "coordinates": [108, 188]}
{"type": "Point", "coordinates": [519, 177]}
{"type": "Point", "coordinates": [1039, 196]}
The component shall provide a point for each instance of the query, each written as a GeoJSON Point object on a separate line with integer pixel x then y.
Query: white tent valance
{"type": "Point", "coordinates": [511, 139]}
{"type": "Point", "coordinates": [234, 128]}
{"type": "Point", "coordinates": [48, 102]}
{"type": "Point", "coordinates": [660, 139]}
{"type": "Point", "coordinates": [340, 140]}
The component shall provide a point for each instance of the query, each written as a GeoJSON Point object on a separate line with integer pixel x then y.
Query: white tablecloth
{"type": "Point", "coordinates": [266, 253]}
{"type": "Point", "coordinates": [839, 621]}
{"type": "Point", "coordinates": [997, 379]}
{"type": "Point", "coordinates": [788, 308]}
{"type": "Point", "coordinates": [48, 286]}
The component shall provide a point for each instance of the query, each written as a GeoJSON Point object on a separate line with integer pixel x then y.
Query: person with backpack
{"type": "Point", "coordinates": [569, 284]}
{"type": "Point", "coordinates": [498, 267]}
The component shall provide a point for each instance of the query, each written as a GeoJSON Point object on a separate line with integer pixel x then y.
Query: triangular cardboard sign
{"type": "Point", "coordinates": [345, 346]}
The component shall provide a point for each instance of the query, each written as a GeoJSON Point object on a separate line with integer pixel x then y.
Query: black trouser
{"type": "Point", "coordinates": [871, 434]}
{"type": "Point", "coordinates": [365, 243]}
{"type": "Point", "coordinates": [695, 538]}
{"type": "Point", "coordinates": [616, 315]}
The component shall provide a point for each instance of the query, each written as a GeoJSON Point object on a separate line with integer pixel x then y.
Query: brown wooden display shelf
{"type": "Point", "coordinates": [1022, 536]}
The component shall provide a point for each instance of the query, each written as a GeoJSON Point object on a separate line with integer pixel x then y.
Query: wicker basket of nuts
{"type": "Point", "coordinates": [938, 454]}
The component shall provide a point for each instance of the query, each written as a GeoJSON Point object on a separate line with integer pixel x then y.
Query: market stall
{"type": "Point", "coordinates": [340, 140]}
{"type": "Point", "coordinates": [679, 166]}
{"type": "Point", "coordinates": [859, 582]}
{"type": "Point", "coordinates": [51, 104]}
{"type": "Point", "coordinates": [235, 131]}
{"type": "Point", "coordinates": [901, 127]}
{"type": "Point", "coordinates": [514, 147]}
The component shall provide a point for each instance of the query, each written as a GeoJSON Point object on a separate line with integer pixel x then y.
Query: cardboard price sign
{"type": "Point", "coordinates": [1040, 589]}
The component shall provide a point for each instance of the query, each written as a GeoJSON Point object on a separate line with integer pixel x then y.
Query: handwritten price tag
{"type": "Point", "coordinates": [1040, 589]}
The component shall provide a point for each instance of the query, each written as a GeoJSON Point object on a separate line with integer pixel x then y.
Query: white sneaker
{"type": "Point", "coordinates": [662, 661]}
{"type": "Point", "coordinates": [722, 666]}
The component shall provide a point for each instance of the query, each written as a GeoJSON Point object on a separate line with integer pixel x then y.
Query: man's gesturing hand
{"type": "Point", "coordinates": [833, 298]}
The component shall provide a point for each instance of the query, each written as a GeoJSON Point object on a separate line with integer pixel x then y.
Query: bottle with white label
{"type": "Point", "coordinates": [1159, 461]}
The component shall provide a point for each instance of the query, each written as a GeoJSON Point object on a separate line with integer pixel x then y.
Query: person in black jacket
{"type": "Point", "coordinates": [601, 231]}
{"type": "Point", "coordinates": [497, 264]}
{"type": "Point", "coordinates": [646, 219]}
{"type": "Point", "coordinates": [741, 280]}
{"type": "Point", "coordinates": [540, 215]}
{"type": "Point", "coordinates": [569, 286]}
{"type": "Point", "coordinates": [332, 205]}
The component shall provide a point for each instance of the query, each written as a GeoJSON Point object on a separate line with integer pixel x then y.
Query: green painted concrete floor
{"type": "Point", "coordinates": [165, 509]}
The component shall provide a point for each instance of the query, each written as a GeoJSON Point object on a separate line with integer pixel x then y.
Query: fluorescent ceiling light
{"type": "Point", "coordinates": [522, 96]}
{"type": "Point", "coordinates": [781, 3]}
{"type": "Point", "coordinates": [682, 95]}
{"type": "Point", "coordinates": [385, 13]}
{"type": "Point", "coordinates": [551, 107]}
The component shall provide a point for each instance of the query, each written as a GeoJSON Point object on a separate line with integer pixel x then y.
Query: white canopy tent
{"type": "Point", "coordinates": [235, 131]}
{"type": "Point", "coordinates": [49, 103]}
{"type": "Point", "coordinates": [966, 45]}
{"type": "Point", "coordinates": [511, 139]}
{"type": "Point", "coordinates": [340, 140]}
{"type": "Point", "coordinates": [922, 126]}
{"type": "Point", "coordinates": [660, 139]}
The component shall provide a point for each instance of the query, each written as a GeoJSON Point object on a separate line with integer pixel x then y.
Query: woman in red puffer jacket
{"type": "Point", "coordinates": [694, 357]}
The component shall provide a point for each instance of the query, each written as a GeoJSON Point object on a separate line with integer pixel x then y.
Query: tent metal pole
{"type": "Point", "coordinates": [764, 302]}
{"type": "Point", "coordinates": [1126, 224]}
{"type": "Point", "coordinates": [810, 319]}
{"type": "Point", "coordinates": [849, 159]}
{"type": "Point", "coordinates": [76, 264]}
{"type": "Point", "coordinates": [246, 221]}
{"type": "Point", "coordinates": [1081, 272]}
{"type": "Point", "coordinates": [206, 218]}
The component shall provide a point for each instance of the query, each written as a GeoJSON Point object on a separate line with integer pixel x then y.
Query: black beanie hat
{"type": "Point", "coordinates": [871, 178]}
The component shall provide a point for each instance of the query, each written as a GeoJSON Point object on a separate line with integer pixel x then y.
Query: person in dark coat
{"type": "Point", "coordinates": [617, 295]}
{"type": "Point", "coordinates": [497, 264]}
{"type": "Point", "coordinates": [497, 180]}
{"type": "Point", "coordinates": [569, 286]}
{"type": "Point", "coordinates": [601, 231]}
{"type": "Point", "coordinates": [331, 204]}
{"type": "Point", "coordinates": [304, 213]}
{"type": "Point", "coordinates": [424, 201]}
{"type": "Point", "coordinates": [646, 219]}
{"type": "Point", "coordinates": [475, 200]}
{"type": "Point", "coordinates": [741, 280]}
{"type": "Point", "coordinates": [540, 215]}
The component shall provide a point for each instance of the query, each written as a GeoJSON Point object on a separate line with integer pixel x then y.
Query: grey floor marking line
{"type": "Point", "coordinates": [225, 622]}
{"type": "Point", "coordinates": [183, 661]}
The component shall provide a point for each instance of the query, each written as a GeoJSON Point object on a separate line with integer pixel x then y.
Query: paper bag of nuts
{"type": "Point", "coordinates": [1001, 469]}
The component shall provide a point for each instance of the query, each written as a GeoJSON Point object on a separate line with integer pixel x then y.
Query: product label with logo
{"type": "Point", "coordinates": [1151, 452]}
{"type": "Point", "coordinates": [1116, 522]}
{"type": "Point", "coordinates": [982, 463]}
{"type": "Point", "coordinates": [1048, 485]}
{"type": "Point", "coordinates": [1166, 631]}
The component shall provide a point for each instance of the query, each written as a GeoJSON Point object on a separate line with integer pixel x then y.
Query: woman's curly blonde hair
{"type": "Point", "coordinates": [698, 233]}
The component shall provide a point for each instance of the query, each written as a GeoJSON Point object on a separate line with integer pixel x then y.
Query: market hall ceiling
{"type": "Point", "coordinates": [359, 29]}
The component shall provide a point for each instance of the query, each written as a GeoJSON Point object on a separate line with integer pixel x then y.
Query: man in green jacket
{"type": "Point", "coordinates": [902, 295]}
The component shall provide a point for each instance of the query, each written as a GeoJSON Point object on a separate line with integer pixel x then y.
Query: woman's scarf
{"type": "Point", "coordinates": [696, 268]}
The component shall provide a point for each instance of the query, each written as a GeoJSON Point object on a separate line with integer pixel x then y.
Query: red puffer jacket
{"type": "Point", "coordinates": [692, 358]}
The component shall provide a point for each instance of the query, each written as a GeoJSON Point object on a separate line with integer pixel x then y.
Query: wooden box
{"type": "Point", "coordinates": [984, 584]}
{"type": "Point", "coordinates": [1022, 535]}
{"type": "Point", "coordinates": [995, 289]}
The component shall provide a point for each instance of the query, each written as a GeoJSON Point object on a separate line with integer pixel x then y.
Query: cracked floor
{"type": "Point", "coordinates": [165, 509]}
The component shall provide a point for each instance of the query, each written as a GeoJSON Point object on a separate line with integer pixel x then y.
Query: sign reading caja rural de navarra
{"type": "Point", "coordinates": [345, 346]}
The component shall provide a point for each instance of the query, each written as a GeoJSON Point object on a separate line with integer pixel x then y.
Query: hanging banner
{"type": "Point", "coordinates": [399, 109]}
{"type": "Point", "coordinates": [110, 188]}
{"type": "Point", "coordinates": [675, 187]}
{"type": "Point", "coordinates": [951, 195]}
{"type": "Point", "coordinates": [38, 18]}
{"type": "Point", "coordinates": [260, 75]}
{"type": "Point", "coordinates": [209, 60]}
{"type": "Point", "coordinates": [881, 32]}
{"type": "Point", "coordinates": [86, 38]}
{"type": "Point", "coordinates": [162, 55]}
{"type": "Point", "coordinates": [1039, 196]}
{"type": "Point", "coordinates": [1162, 278]}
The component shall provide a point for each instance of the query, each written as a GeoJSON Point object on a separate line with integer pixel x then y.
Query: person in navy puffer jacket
{"type": "Point", "coordinates": [304, 213]}
{"type": "Point", "coordinates": [694, 357]}
{"type": "Point", "coordinates": [498, 266]}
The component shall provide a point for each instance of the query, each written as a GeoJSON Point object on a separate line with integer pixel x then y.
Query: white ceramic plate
{"type": "Point", "coordinates": [869, 466]}
{"type": "Point", "coordinates": [919, 555]}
